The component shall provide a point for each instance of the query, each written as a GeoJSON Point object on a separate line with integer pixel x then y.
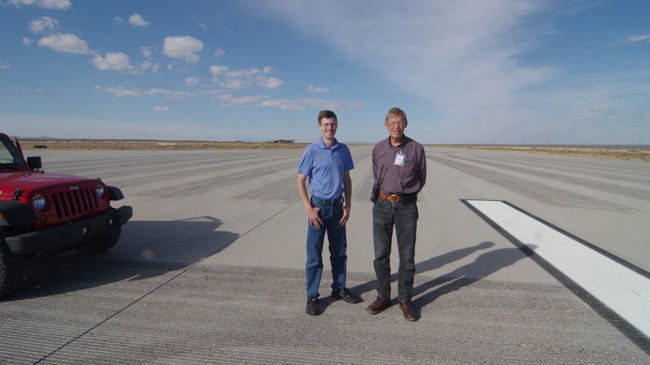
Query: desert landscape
{"type": "Point", "coordinates": [628, 153]}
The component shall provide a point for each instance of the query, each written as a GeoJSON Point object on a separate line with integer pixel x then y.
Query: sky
{"type": "Point", "coordinates": [464, 71]}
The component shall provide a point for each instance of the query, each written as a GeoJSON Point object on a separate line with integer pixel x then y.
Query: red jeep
{"type": "Point", "coordinates": [46, 214]}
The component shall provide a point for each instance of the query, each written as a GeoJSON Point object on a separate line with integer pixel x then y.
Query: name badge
{"type": "Point", "coordinates": [400, 158]}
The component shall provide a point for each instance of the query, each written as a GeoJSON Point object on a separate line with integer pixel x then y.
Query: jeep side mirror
{"type": "Point", "coordinates": [34, 162]}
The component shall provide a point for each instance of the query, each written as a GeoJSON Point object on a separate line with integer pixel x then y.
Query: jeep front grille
{"type": "Point", "coordinates": [72, 203]}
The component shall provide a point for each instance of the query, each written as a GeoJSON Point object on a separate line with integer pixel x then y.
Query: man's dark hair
{"type": "Point", "coordinates": [326, 114]}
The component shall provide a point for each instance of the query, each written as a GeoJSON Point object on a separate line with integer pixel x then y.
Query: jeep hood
{"type": "Point", "coordinates": [35, 180]}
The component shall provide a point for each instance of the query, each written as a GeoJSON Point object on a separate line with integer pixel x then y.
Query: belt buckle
{"type": "Point", "coordinates": [393, 198]}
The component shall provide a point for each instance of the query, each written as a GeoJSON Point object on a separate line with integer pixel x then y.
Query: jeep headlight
{"type": "Point", "coordinates": [39, 202]}
{"type": "Point", "coordinates": [100, 190]}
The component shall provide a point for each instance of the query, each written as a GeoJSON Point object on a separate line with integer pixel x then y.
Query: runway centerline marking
{"type": "Point", "coordinates": [622, 289]}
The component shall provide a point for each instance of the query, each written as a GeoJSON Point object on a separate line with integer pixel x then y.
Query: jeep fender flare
{"type": "Point", "coordinates": [15, 214]}
{"type": "Point", "coordinates": [115, 193]}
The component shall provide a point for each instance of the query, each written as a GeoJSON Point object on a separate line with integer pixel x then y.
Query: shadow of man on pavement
{"type": "Point", "coordinates": [428, 265]}
{"type": "Point", "coordinates": [485, 265]}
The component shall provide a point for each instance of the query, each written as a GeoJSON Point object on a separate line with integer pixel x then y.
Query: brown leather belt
{"type": "Point", "coordinates": [393, 197]}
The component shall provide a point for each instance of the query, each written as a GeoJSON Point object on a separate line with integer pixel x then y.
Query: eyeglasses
{"type": "Point", "coordinates": [394, 124]}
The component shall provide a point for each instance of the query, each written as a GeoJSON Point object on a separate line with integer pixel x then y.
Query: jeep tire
{"type": "Point", "coordinates": [12, 267]}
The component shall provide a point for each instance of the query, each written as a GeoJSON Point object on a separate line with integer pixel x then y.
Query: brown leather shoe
{"type": "Point", "coordinates": [378, 305]}
{"type": "Point", "coordinates": [407, 309]}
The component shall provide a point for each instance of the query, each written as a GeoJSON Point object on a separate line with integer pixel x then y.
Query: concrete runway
{"type": "Point", "coordinates": [210, 269]}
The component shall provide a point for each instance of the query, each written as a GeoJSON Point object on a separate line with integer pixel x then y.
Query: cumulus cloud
{"type": "Point", "coordinates": [148, 63]}
{"type": "Point", "coordinates": [3, 66]}
{"type": "Point", "coordinates": [47, 4]}
{"type": "Point", "coordinates": [160, 108]}
{"type": "Point", "coordinates": [191, 81]}
{"type": "Point", "coordinates": [42, 24]}
{"type": "Point", "coordinates": [68, 43]}
{"type": "Point", "coordinates": [113, 61]}
{"type": "Point", "coordinates": [183, 47]}
{"type": "Point", "coordinates": [27, 41]}
{"type": "Point", "coordinates": [219, 52]}
{"type": "Point", "coordinates": [314, 89]}
{"type": "Point", "coordinates": [239, 79]}
{"type": "Point", "coordinates": [137, 20]}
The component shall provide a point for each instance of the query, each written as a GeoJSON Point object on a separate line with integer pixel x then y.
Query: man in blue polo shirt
{"type": "Point", "coordinates": [327, 163]}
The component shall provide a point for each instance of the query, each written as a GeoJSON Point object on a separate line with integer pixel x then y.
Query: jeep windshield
{"type": "Point", "coordinates": [9, 155]}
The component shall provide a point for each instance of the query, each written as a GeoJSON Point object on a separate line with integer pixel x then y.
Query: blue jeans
{"type": "Point", "coordinates": [404, 217]}
{"type": "Point", "coordinates": [330, 213]}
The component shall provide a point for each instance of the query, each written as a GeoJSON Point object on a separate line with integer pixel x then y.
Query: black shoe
{"type": "Point", "coordinates": [346, 295]}
{"type": "Point", "coordinates": [313, 306]}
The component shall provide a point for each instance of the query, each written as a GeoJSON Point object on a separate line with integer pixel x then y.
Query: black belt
{"type": "Point", "coordinates": [319, 201]}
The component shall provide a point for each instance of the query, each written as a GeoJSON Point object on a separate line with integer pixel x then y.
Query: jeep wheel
{"type": "Point", "coordinates": [12, 267]}
{"type": "Point", "coordinates": [103, 244]}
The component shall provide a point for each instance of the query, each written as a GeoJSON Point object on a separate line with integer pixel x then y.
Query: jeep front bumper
{"type": "Point", "coordinates": [67, 237]}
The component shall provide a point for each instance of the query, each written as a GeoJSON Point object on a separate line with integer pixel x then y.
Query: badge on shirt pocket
{"type": "Point", "coordinates": [400, 158]}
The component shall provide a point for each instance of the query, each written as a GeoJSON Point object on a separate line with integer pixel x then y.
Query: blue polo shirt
{"type": "Point", "coordinates": [325, 167]}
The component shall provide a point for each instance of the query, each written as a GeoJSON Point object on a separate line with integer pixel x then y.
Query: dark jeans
{"type": "Point", "coordinates": [404, 217]}
{"type": "Point", "coordinates": [330, 213]}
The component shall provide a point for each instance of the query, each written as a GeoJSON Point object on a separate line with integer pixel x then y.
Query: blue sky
{"type": "Point", "coordinates": [497, 71]}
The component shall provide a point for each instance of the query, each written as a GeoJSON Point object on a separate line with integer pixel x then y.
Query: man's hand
{"type": "Point", "coordinates": [346, 215]}
{"type": "Point", "coordinates": [314, 219]}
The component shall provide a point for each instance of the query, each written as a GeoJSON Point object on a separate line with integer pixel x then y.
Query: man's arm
{"type": "Point", "coordinates": [347, 191]}
{"type": "Point", "coordinates": [423, 169]}
{"type": "Point", "coordinates": [312, 213]}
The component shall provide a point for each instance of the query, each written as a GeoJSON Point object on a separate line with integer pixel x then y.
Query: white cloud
{"type": "Point", "coordinates": [191, 81]}
{"type": "Point", "coordinates": [118, 19]}
{"type": "Point", "coordinates": [219, 52]}
{"type": "Point", "coordinates": [304, 103]}
{"type": "Point", "coordinates": [27, 41]}
{"type": "Point", "coordinates": [184, 48]}
{"type": "Point", "coordinates": [122, 91]}
{"type": "Point", "coordinates": [148, 62]}
{"type": "Point", "coordinates": [44, 23]}
{"type": "Point", "coordinates": [645, 37]}
{"type": "Point", "coordinates": [239, 79]}
{"type": "Point", "coordinates": [460, 57]}
{"type": "Point", "coordinates": [160, 108]}
{"type": "Point", "coordinates": [271, 83]}
{"type": "Point", "coordinates": [314, 89]}
{"type": "Point", "coordinates": [3, 66]}
{"type": "Point", "coordinates": [47, 4]}
{"type": "Point", "coordinates": [114, 61]}
{"type": "Point", "coordinates": [68, 43]}
{"type": "Point", "coordinates": [263, 101]}
{"type": "Point", "coordinates": [229, 100]}
{"type": "Point", "coordinates": [137, 20]}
